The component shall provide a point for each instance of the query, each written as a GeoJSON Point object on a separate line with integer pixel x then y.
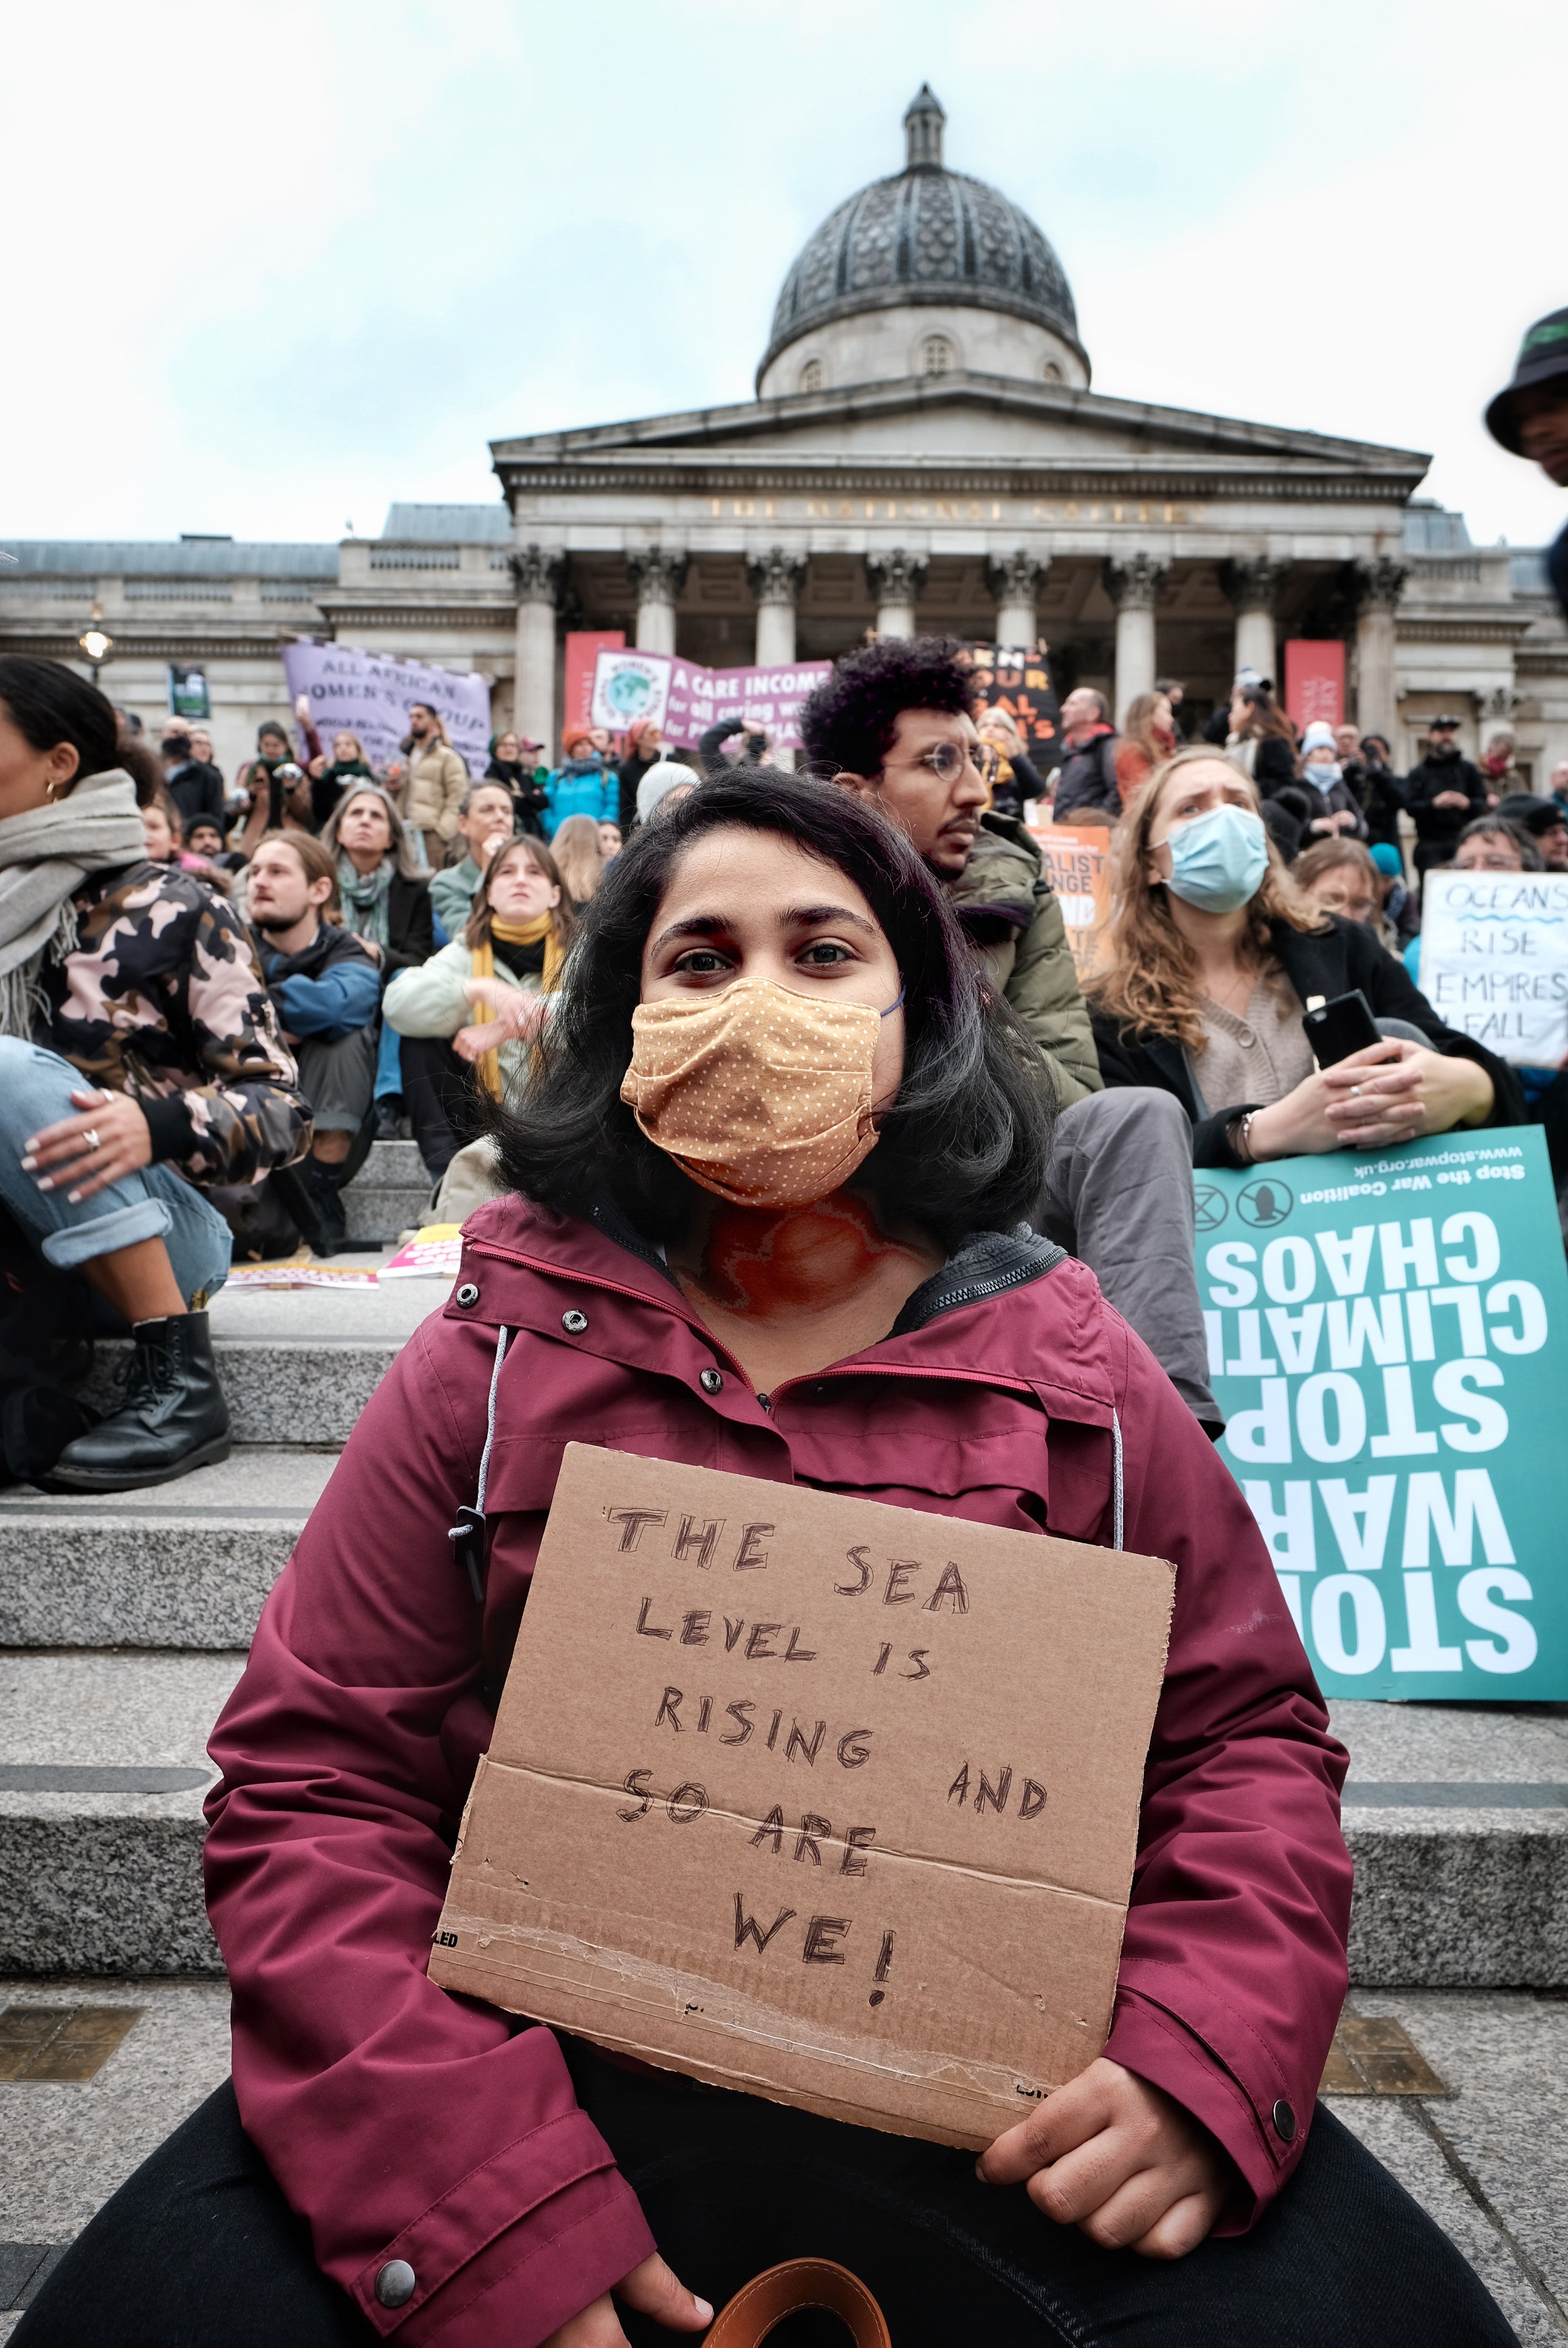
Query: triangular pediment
{"type": "Point", "coordinates": [959, 418]}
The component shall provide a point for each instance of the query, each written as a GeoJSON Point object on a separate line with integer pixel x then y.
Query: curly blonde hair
{"type": "Point", "coordinates": [1149, 980]}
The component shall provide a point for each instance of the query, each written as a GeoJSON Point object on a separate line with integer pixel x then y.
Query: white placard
{"type": "Point", "coordinates": [1494, 961]}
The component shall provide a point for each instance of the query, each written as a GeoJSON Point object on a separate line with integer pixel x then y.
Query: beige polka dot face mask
{"type": "Point", "coordinates": [758, 1094]}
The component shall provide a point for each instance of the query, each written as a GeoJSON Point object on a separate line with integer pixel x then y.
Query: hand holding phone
{"type": "Point", "coordinates": [1340, 1026]}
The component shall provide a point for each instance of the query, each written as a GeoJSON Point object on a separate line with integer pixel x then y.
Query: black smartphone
{"type": "Point", "coordinates": [1340, 1026]}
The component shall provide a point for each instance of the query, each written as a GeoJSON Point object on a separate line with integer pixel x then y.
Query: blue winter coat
{"type": "Point", "coordinates": [580, 786]}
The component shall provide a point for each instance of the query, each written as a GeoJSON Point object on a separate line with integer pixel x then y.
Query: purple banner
{"type": "Point", "coordinates": [369, 693]}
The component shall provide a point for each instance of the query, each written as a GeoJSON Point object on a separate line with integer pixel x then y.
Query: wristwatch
{"type": "Point", "coordinates": [1238, 1134]}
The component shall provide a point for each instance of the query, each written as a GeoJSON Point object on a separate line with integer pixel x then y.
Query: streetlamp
{"type": "Point", "coordinates": [94, 642]}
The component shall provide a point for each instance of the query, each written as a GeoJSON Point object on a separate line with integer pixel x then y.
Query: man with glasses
{"type": "Point", "coordinates": [893, 725]}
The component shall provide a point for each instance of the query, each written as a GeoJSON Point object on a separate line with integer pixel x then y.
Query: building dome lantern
{"type": "Point", "coordinates": [927, 261]}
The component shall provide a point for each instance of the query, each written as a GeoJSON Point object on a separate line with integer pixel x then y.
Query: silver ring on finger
{"type": "Point", "coordinates": [91, 1139]}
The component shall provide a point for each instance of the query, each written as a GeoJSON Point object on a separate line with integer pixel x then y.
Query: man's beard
{"type": "Point", "coordinates": [275, 925]}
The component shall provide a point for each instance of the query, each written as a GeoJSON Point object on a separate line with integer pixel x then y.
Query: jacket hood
{"type": "Point", "coordinates": [334, 943]}
{"type": "Point", "coordinates": [1008, 1309]}
{"type": "Point", "coordinates": [1004, 875]}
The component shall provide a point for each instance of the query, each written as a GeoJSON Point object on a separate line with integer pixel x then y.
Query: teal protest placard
{"type": "Point", "coordinates": [1388, 1342]}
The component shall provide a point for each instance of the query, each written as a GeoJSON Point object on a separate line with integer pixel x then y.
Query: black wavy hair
{"type": "Point", "coordinates": [963, 1148]}
{"type": "Point", "coordinates": [848, 724]}
{"type": "Point", "coordinates": [50, 704]}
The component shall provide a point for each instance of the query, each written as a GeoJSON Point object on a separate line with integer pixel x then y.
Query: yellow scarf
{"type": "Point", "coordinates": [515, 933]}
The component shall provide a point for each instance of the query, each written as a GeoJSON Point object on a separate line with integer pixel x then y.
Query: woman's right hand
{"type": "Point", "coordinates": [1318, 1117]}
{"type": "Point", "coordinates": [652, 2291]}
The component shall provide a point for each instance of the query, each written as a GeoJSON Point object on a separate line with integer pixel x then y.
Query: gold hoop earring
{"type": "Point", "coordinates": [53, 792]}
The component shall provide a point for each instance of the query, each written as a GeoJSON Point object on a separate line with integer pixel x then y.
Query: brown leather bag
{"type": "Point", "coordinates": [784, 2289]}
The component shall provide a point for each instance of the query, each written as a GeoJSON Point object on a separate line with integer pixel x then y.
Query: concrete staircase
{"type": "Point", "coordinates": [123, 1625]}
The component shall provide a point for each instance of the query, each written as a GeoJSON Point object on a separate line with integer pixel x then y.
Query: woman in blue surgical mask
{"type": "Point", "coordinates": [1212, 955]}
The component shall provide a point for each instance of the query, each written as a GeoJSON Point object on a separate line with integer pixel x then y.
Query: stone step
{"type": "Point", "coordinates": [298, 1365]}
{"type": "Point", "coordinates": [385, 1213]}
{"type": "Point", "coordinates": [389, 1195]}
{"type": "Point", "coordinates": [181, 1565]}
{"type": "Point", "coordinates": [103, 1766]}
{"type": "Point", "coordinates": [1458, 1820]}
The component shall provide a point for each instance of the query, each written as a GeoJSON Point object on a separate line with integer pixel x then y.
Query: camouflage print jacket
{"type": "Point", "coordinates": [161, 998]}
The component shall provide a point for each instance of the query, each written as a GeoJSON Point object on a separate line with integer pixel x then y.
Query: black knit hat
{"type": "Point", "coordinates": [1543, 354]}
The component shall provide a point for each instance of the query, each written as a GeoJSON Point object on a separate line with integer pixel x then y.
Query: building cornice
{"type": "Point", "coordinates": [1461, 628]}
{"type": "Point", "coordinates": [677, 473]}
{"type": "Point", "coordinates": [350, 609]}
{"type": "Point", "coordinates": [195, 640]}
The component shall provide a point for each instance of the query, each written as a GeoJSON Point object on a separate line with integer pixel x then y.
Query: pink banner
{"type": "Point", "coordinates": [687, 699]}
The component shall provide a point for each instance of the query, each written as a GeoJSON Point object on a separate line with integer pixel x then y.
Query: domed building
{"type": "Point", "coordinates": [930, 274]}
{"type": "Point", "coordinates": [924, 450]}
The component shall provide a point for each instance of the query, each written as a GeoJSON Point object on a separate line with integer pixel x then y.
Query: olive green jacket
{"type": "Point", "coordinates": [1010, 911]}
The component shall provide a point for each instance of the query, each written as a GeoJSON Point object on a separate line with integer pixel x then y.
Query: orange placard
{"type": "Point", "coordinates": [1078, 866]}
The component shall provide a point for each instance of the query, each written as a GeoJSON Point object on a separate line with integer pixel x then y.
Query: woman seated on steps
{"type": "Point", "coordinates": [472, 1010]}
{"type": "Point", "coordinates": [696, 1235]}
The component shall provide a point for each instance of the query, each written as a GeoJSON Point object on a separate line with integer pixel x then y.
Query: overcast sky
{"type": "Point", "coordinates": [272, 264]}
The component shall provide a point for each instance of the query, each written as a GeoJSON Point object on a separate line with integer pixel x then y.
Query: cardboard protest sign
{"type": "Point", "coordinates": [368, 693]}
{"type": "Point", "coordinates": [1009, 678]}
{"type": "Point", "coordinates": [685, 699]}
{"type": "Point", "coordinates": [1388, 1342]}
{"type": "Point", "coordinates": [802, 1794]}
{"type": "Point", "coordinates": [1078, 866]}
{"type": "Point", "coordinates": [1494, 960]}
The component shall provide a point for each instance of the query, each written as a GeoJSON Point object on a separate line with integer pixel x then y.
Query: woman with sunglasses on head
{"type": "Point", "coordinates": [693, 1239]}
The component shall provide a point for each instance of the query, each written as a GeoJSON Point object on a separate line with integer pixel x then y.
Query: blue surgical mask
{"type": "Point", "coordinates": [1218, 859]}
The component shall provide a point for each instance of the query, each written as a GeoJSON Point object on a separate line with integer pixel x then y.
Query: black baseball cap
{"type": "Point", "coordinates": [1542, 355]}
{"type": "Point", "coordinates": [1442, 725]}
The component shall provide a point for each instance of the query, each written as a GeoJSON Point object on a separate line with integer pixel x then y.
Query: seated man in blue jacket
{"type": "Point", "coordinates": [326, 991]}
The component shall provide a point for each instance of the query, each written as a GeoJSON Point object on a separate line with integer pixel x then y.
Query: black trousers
{"type": "Point", "coordinates": [198, 2248]}
{"type": "Point", "coordinates": [440, 1098]}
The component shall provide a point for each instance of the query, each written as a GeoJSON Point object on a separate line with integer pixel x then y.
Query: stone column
{"type": "Point", "coordinates": [1376, 699]}
{"type": "Point", "coordinates": [658, 576]}
{"type": "Point", "coordinates": [537, 575]}
{"type": "Point", "coordinates": [895, 580]}
{"type": "Point", "coordinates": [1250, 588]}
{"type": "Point", "coordinates": [1133, 586]}
{"type": "Point", "coordinates": [775, 579]}
{"type": "Point", "coordinates": [1015, 582]}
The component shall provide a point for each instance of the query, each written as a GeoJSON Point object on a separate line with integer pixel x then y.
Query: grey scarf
{"type": "Point", "coordinates": [45, 854]}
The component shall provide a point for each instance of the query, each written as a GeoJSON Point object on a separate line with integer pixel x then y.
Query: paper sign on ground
{"type": "Point", "coordinates": [368, 693]}
{"type": "Point", "coordinates": [1388, 1342]}
{"type": "Point", "coordinates": [434, 1252]}
{"type": "Point", "coordinates": [685, 699]}
{"type": "Point", "coordinates": [1494, 960]}
{"type": "Point", "coordinates": [801, 1793]}
{"type": "Point", "coordinates": [1078, 866]}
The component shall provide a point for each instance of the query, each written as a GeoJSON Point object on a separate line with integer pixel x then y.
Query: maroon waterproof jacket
{"type": "Point", "coordinates": [408, 2124]}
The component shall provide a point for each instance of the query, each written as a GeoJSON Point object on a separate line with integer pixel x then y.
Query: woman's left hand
{"type": "Point", "coordinates": [1118, 2160]}
{"type": "Point", "coordinates": [518, 1016]}
{"type": "Point", "coordinates": [1444, 1092]}
{"type": "Point", "coordinates": [103, 1146]}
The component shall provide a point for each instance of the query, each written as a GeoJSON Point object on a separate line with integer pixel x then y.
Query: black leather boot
{"type": "Point", "coordinates": [170, 1417]}
{"type": "Point", "coordinates": [322, 1185]}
